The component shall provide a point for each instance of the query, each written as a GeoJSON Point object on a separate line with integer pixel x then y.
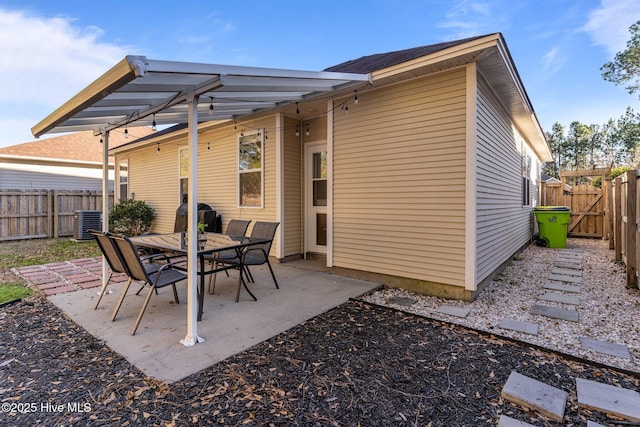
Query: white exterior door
{"type": "Point", "coordinates": [316, 187]}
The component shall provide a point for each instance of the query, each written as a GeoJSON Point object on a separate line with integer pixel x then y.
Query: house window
{"type": "Point", "coordinates": [250, 170]}
{"type": "Point", "coordinates": [123, 180]}
{"type": "Point", "coordinates": [184, 174]}
{"type": "Point", "coordinates": [526, 179]}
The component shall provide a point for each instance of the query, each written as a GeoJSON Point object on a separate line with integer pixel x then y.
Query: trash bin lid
{"type": "Point", "coordinates": [552, 208]}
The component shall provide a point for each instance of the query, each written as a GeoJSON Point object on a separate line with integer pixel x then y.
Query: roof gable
{"type": "Point", "coordinates": [379, 61]}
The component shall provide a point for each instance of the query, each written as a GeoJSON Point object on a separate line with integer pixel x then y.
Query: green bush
{"type": "Point", "coordinates": [131, 217]}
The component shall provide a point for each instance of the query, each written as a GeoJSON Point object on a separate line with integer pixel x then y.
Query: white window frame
{"type": "Point", "coordinates": [181, 150]}
{"type": "Point", "coordinates": [260, 134]}
{"type": "Point", "coordinates": [526, 178]}
{"type": "Point", "coordinates": [122, 163]}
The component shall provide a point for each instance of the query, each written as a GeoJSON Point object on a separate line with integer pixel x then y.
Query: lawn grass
{"type": "Point", "coordinates": [13, 291]}
{"type": "Point", "coordinates": [35, 252]}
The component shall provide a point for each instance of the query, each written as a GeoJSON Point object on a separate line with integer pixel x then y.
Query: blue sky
{"type": "Point", "coordinates": [52, 49]}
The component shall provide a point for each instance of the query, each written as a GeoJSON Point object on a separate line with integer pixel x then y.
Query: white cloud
{"type": "Point", "coordinates": [609, 24]}
{"type": "Point", "coordinates": [552, 60]}
{"type": "Point", "coordinates": [46, 62]}
{"type": "Point", "coordinates": [471, 18]}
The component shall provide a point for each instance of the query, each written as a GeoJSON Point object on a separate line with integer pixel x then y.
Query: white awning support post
{"type": "Point", "coordinates": [192, 222]}
{"type": "Point", "coordinates": [105, 202]}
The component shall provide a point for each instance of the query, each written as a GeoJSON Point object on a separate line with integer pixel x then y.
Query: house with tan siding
{"type": "Point", "coordinates": [423, 178]}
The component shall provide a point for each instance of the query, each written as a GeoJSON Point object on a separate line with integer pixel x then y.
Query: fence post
{"type": "Point", "coordinates": [617, 219]}
{"type": "Point", "coordinates": [56, 214]}
{"type": "Point", "coordinates": [632, 221]}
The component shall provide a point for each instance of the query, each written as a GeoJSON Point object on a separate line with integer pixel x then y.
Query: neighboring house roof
{"type": "Point", "coordinates": [78, 146]}
{"type": "Point", "coordinates": [370, 63]}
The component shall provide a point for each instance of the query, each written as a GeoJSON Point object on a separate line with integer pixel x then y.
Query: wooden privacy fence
{"type": "Point", "coordinates": [590, 205]}
{"type": "Point", "coordinates": [33, 214]}
{"type": "Point", "coordinates": [626, 218]}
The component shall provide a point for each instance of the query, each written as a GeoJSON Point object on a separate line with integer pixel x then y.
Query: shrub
{"type": "Point", "coordinates": [131, 217]}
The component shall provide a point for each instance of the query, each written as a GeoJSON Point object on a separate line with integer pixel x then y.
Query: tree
{"type": "Point", "coordinates": [625, 68]}
{"type": "Point", "coordinates": [556, 141]}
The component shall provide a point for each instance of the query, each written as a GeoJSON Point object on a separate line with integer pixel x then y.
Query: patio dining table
{"type": "Point", "coordinates": [214, 243]}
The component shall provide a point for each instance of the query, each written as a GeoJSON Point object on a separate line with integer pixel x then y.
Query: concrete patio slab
{"type": "Point", "coordinates": [518, 326]}
{"type": "Point", "coordinates": [533, 394]}
{"type": "Point", "coordinates": [609, 399]}
{"type": "Point", "coordinates": [605, 347]}
{"type": "Point", "coordinates": [227, 327]}
{"type": "Point", "coordinates": [555, 312]}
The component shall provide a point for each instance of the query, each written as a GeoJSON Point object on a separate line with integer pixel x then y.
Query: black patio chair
{"type": "Point", "coordinates": [110, 253]}
{"type": "Point", "coordinates": [235, 228]}
{"type": "Point", "coordinates": [255, 255]}
{"type": "Point", "coordinates": [166, 275]}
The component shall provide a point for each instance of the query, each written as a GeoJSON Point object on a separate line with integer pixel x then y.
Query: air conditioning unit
{"type": "Point", "coordinates": [86, 220]}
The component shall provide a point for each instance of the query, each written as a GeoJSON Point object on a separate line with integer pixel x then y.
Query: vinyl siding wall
{"type": "Point", "coordinates": [292, 216]}
{"type": "Point", "coordinates": [153, 176]}
{"type": "Point", "coordinates": [399, 180]}
{"type": "Point", "coordinates": [502, 222]}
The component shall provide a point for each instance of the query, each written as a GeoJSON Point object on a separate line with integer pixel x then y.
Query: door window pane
{"type": "Point", "coordinates": [320, 193]}
{"type": "Point", "coordinates": [321, 229]}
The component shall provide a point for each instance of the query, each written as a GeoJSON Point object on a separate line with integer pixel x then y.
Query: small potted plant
{"type": "Point", "coordinates": [202, 237]}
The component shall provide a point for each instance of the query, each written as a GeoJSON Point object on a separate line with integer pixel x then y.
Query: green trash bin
{"type": "Point", "coordinates": [552, 224]}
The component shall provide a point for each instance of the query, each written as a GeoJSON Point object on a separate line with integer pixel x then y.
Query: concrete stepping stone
{"type": "Point", "coordinates": [555, 312]}
{"type": "Point", "coordinates": [565, 278]}
{"type": "Point", "coordinates": [574, 265]}
{"type": "Point", "coordinates": [402, 301]}
{"type": "Point", "coordinates": [609, 399]}
{"type": "Point", "coordinates": [556, 286]}
{"type": "Point", "coordinates": [512, 422]}
{"type": "Point", "coordinates": [566, 271]}
{"type": "Point", "coordinates": [561, 298]}
{"type": "Point", "coordinates": [533, 394]}
{"type": "Point", "coordinates": [453, 310]}
{"type": "Point", "coordinates": [605, 347]}
{"type": "Point", "coordinates": [518, 326]}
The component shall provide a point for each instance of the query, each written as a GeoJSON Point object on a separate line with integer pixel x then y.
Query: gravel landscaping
{"type": "Point", "coordinates": [608, 310]}
{"type": "Point", "coordinates": [358, 364]}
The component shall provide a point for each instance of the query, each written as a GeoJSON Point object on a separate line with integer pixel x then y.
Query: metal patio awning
{"type": "Point", "coordinates": [145, 91]}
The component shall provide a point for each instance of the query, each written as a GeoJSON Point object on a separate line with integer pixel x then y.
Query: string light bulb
{"type": "Point", "coordinates": [297, 130]}
{"type": "Point", "coordinates": [158, 149]}
{"type": "Point", "coordinates": [355, 100]}
{"type": "Point", "coordinates": [154, 125]}
{"type": "Point", "coordinates": [297, 107]}
{"type": "Point", "coordinates": [306, 132]}
{"type": "Point", "coordinates": [126, 132]}
{"type": "Point", "coordinates": [208, 145]}
{"type": "Point", "coordinates": [211, 106]}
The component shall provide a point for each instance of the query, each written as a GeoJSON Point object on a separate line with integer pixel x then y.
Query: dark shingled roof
{"type": "Point", "coordinates": [370, 63]}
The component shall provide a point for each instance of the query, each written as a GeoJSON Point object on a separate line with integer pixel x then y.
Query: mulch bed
{"type": "Point", "coordinates": [355, 365]}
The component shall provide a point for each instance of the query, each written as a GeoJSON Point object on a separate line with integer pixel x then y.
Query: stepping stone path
{"type": "Point", "coordinates": [605, 347]}
{"type": "Point", "coordinates": [565, 279]}
{"type": "Point", "coordinates": [533, 394]}
{"type": "Point", "coordinates": [551, 401]}
{"type": "Point", "coordinates": [453, 310]}
{"type": "Point", "coordinates": [618, 401]}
